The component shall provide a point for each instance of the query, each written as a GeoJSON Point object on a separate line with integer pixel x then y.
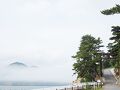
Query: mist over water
{"type": "Point", "coordinates": [35, 74]}
{"type": "Point", "coordinates": [44, 34]}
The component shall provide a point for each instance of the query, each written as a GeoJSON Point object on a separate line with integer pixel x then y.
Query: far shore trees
{"type": "Point", "coordinates": [87, 57]}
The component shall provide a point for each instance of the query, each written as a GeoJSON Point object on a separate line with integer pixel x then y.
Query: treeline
{"type": "Point", "coordinates": [89, 54]}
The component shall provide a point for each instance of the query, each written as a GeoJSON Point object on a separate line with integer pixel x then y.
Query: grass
{"type": "Point", "coordinates": [99, 88]}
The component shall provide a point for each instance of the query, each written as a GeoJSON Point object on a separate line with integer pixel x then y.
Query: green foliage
{"type": "Point", "coordinates": [107, 63]}
{"type": "Point", "coordinates": [111, 11]}
{"type": "Point", "coordinates": [114, 48]}
{"type": "Point", "coordinates": [86, 58]}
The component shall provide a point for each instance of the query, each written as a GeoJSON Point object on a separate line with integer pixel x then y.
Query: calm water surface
{"type": "Point", "coordinates": [27, 87]}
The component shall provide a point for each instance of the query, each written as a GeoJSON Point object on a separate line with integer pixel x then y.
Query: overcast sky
{"type": "Point", "coordinates": [46, 33]}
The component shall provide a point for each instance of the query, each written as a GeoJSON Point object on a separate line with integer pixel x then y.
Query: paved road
{"type": "Point", "coordinates": [109, 81]}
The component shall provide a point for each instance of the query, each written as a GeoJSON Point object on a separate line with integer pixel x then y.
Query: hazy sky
{"type": "Point", "coordinates": [46, 33]}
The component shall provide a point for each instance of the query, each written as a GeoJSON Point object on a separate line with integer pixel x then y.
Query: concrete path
{"type": "Point", "coordinates": [110, 82]}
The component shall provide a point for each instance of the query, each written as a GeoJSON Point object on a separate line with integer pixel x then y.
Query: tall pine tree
{"type": "Point", "coordinates": [87, 57]}
{"type": "Point", "coordinates": [114, 48]}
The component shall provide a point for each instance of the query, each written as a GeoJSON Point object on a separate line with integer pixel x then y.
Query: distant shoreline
{"type": "Point", "coordinates": [23, 83]}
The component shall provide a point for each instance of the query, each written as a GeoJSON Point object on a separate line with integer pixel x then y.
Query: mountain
{"type": "Point", "coordinates": [17, 65]}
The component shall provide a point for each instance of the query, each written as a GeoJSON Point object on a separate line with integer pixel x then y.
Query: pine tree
{"type": "Point", "coordinates": [114, 48]}
{"type": "Point", "coordinates": [87, 57]}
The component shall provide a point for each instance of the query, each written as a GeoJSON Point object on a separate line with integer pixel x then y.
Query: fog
{"type": "Point", "coordinates": [46, 33]}
{"type": "Point", "coordinates": [36, 74]}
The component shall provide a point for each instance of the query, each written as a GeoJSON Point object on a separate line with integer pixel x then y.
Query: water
{"type": "Point", "coordinates": [31, 87]}
{"type": "Point", "coordinates": [21, 87]}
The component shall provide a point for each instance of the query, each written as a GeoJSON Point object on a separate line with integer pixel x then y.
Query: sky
{"type": "Point", "coordinates": [46, 33]}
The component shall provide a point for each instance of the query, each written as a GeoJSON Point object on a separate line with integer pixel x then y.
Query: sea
{"type": "Point", "coordinates": [32, 87]}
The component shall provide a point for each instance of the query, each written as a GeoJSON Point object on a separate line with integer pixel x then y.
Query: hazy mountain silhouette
{"type": "Point", "coordinates": [17, 65]}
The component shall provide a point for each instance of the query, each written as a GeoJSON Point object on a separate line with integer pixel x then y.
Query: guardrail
{"type": "Point", "coordinates": [83, 86]}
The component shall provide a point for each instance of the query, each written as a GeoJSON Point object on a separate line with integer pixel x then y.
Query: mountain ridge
{"type": "Point", "coordinates": [17, 64]}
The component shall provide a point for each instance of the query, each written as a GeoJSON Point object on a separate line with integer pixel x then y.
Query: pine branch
{"type": "Point", "coordinates": [111, 11]}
